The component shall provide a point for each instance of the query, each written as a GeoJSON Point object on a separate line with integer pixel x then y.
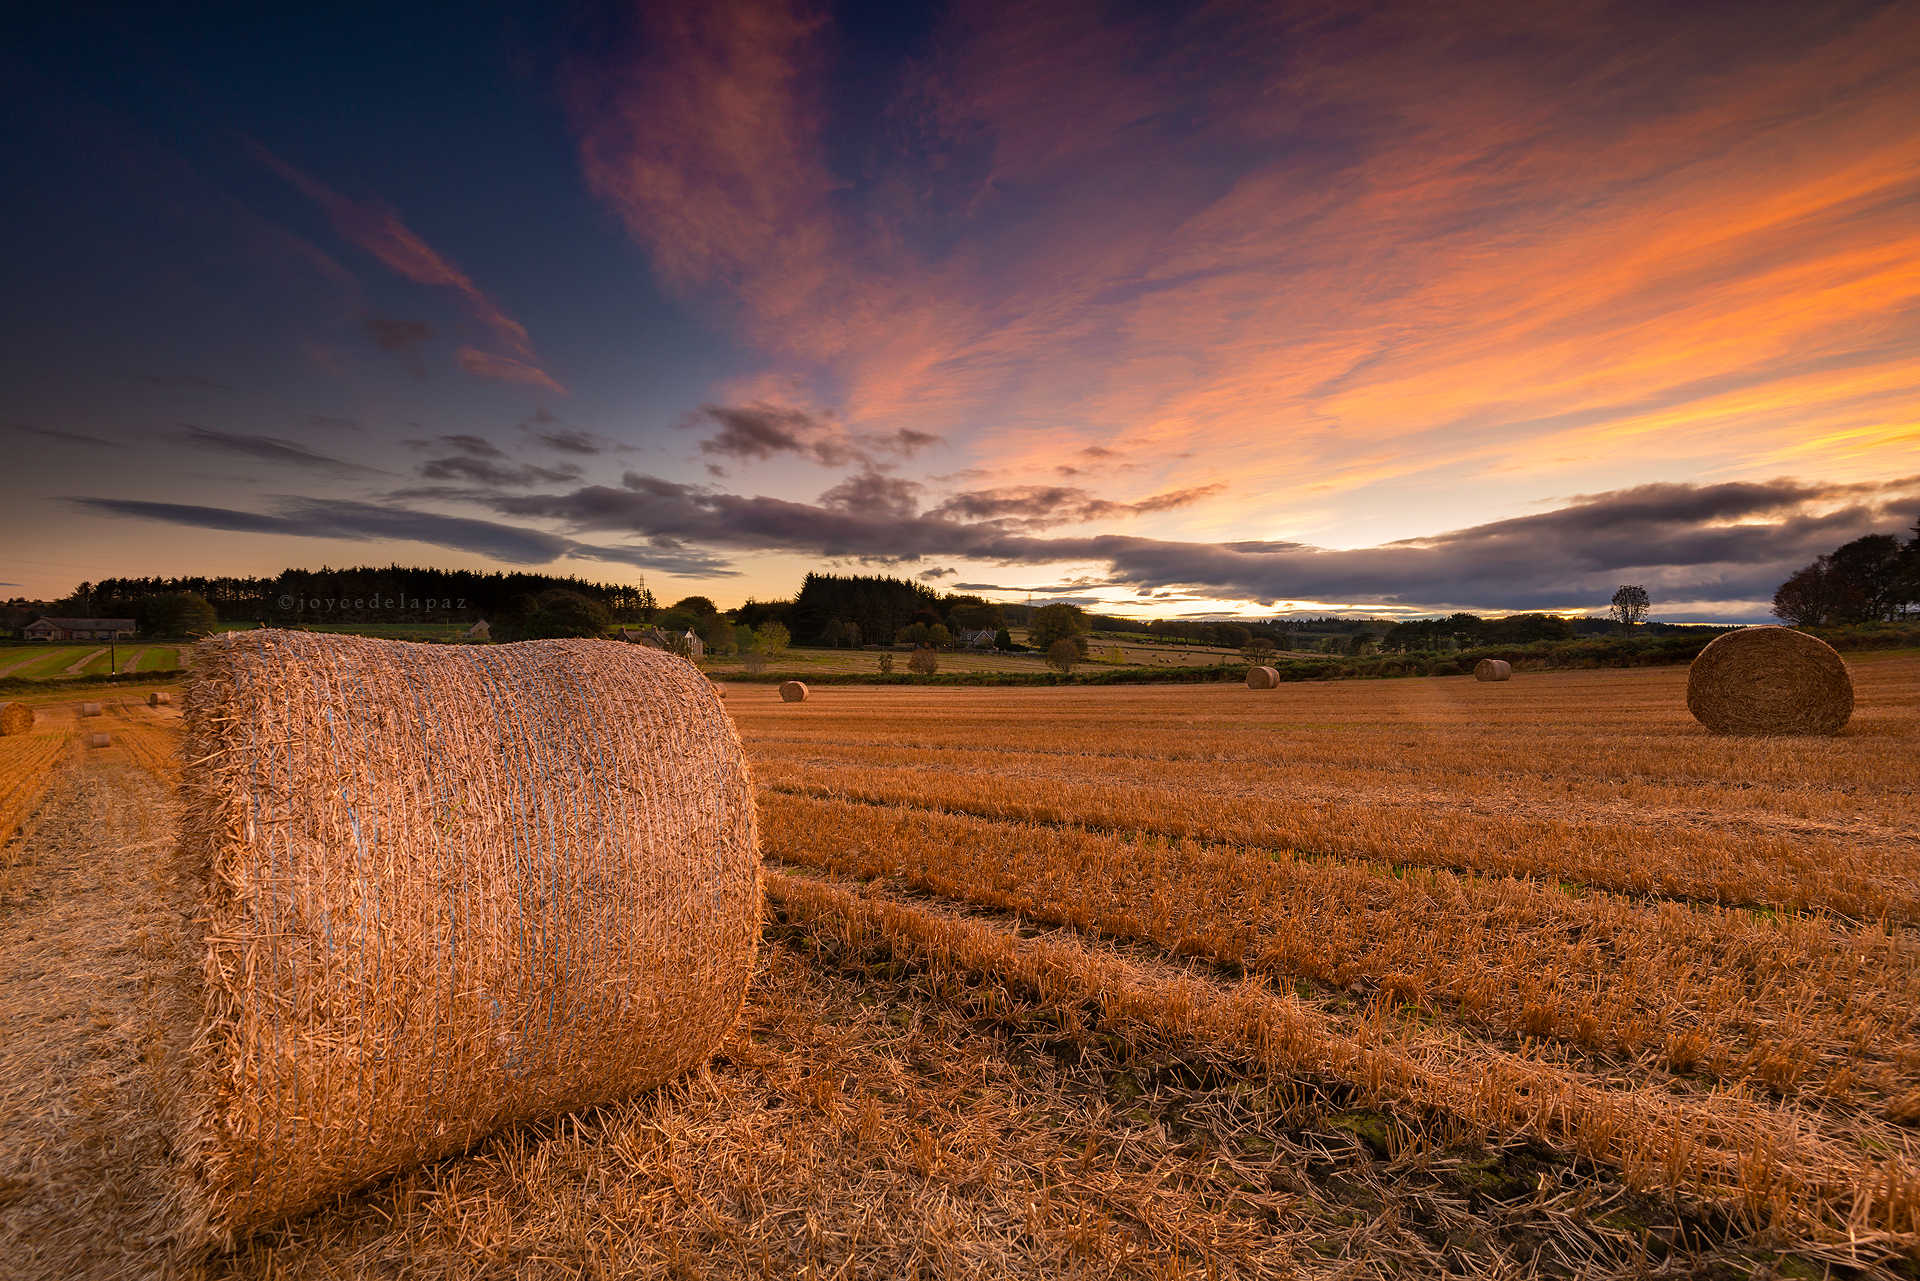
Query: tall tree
{"type": "Point", "coordinates": [1630, 605]}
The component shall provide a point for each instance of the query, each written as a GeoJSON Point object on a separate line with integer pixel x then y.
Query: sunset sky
{"type": "Point", "coordinates": [1225, 308]}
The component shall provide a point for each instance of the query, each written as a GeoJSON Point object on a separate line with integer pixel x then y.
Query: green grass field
{"type": "Point", "coordinates": [160, 658]}
{"type": "Point", "coordinates": [44, 662]}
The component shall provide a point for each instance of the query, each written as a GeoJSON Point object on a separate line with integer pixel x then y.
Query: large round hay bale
{"type": "Point", "coordinates": [1493, 669]}
{"type": "Point", "coordinates": [1262, 677]}
{"type": "Point", "coordinates": [15, 718]}
{"type": "Point", "coordinates": [1770, 680]}
{"type": "Point", "coordinates": [793, 692]}
{"type": "Point", "coordinates": [159, 698]}
{"type": "Point", "coordinates": [89, 709]}
{"type": "Point", "coordinates": [99, 740]}
{"type": "Point", "coordinates": [443, 889]}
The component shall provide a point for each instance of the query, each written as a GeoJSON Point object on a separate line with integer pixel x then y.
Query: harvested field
{"type": "Point", "coordinates": [1357, 979]}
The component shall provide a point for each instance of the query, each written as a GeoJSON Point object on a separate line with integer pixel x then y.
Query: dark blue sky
{"type": "Point", "coordinates": [1221, 308]}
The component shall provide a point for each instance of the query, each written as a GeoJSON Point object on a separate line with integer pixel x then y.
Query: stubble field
{"type": "Point", "coordinates": [1375, 978]}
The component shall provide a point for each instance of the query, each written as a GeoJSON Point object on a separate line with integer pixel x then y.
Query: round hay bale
{"type": "Point", "coordinates": [1262, 677]}
{"type": "Point", "coordinates": [1493, 669]}
{"type": "Point", "coordinates": [89, 709]}
{"type": "Point", "coordinates": [16, 718]}
{"type": "Point", "coordinates": [159, 698]}
{"type": "Point", "coordinates": [99, 740]}
{"type": "Point", "coordinates": [719, 689]}
{"type": "Point", "coordinates": [793, 692]}
{"type": "Point", "coordinates": [442, 889]}
{"type": "Point", "coordinates": [1770, 680]}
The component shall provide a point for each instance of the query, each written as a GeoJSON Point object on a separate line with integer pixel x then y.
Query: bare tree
{"type": "Point", "coordinates": [1063, 654]}
{"type": "Point", "coordinates": [924, 662]}
{"type": "Point", "coordinates": [1630, 606]}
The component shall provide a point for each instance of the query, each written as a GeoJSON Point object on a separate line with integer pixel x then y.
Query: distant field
{"type": "Point", "coordinates": [42, 662]}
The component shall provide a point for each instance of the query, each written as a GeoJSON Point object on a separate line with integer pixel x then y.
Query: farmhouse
{"type": "Point", "coordinates": [72, 629]}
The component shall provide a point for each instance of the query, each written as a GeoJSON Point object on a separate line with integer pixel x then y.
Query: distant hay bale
{"type": "Point", "coordinates": [720, 689]}
{"type": "Point", "coordinates": [16, 718]}
{"type": "Point", "coordinates": [1262, 677]}
{"type": "Point", "coordinates": [1770, 680]}
{"type": "Point", "coordinates": [442, 890]}
{"type": "Point", "coordinates": [793, 692]}
{"type": "Point", "coordinates": [1492, 669]}
{"type": "Point", "coordinates": [99, 740]}
{"type": "Point", "coordinates": [89, 709]}
{"type": "Point", "coordinates": [159, 698]}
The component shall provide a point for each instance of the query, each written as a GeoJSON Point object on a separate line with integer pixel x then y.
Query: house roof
{"type": "Point", "coordinates": [86, 624]}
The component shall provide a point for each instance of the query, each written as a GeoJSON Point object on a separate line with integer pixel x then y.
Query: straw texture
{"type": "Point", "coordinates": [443, 889]}
{"type": "Point", "coordinates": [89, 709]}
{"type": "Point", "coordinates": [16, 718]}
{"type": "Point", "coordinates": [1493, 669]}
{"type": "Point", "coordinates": [793, 692]}
{"type": "Point", "coordinates": [1263, 677]}
{"type": "Point", "coordinates": [1770, 680]}
{"type": "Point", "coordinates": [159, 698]}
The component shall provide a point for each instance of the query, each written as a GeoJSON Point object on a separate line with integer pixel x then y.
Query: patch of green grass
{"type": "Point", "coordinates": [160, 658]}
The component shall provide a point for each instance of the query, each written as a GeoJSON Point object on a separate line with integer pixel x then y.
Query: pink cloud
{"type": "Point", "coordinates": [1327, 255]}
{"type": "Point", "coordinates": [487, 365]}
{"type": "Point", "coordinates": [378, 229]}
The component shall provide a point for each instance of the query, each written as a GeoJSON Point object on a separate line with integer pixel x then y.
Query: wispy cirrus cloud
{"type": "Point", "coordinates": [1479, 240]}
{"type": "Point", "coordinates": [264, 449]}
{"type": "Point", "coordinates": [379, 230]}
{"type": "Point", "coordinates": [66, 437]}
{"type": "Point", "coordinates": [298, 517]}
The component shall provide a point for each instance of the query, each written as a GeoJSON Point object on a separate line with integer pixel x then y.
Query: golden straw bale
{"type": "Point", "coordinates": [1492, 669]}
{"type": "Point", "coordinates": [1262, 677]}
{"type": "Point", "coordinates": [16, 718]}
{"type": "Point", "coordinates": [1770, 680]}
{"type": "Point", "coordinates": [442, 889]}
{"type": "Point", "coordinates": [89, 709]}
{"type": "Point", "coordinates": [159, 698]}
{"type": "Point", "coordinates": [793, 692]}
{"type": "Point", "coordinates": [99, 740]}
{"type": "Point", "coordinates": [720, 689]}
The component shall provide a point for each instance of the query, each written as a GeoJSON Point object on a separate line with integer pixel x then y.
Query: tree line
{"type": "Point", "coordinates": [1874, 579]}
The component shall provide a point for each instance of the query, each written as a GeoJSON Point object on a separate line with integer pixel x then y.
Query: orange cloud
{"type": "Point", "coordinates": [379, 231]}
{"type": "Point", "coordinates": [1328, 256]}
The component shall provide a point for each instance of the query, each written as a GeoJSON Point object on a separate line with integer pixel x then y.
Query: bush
{"type": "Point", "coordinates": [1003, 639]}
{"type": "Point", "coordinates": [1063, 654]}
{"type": "Point", "coordinates": [886, 664]}
{"type": "Point", "coordinates": [924, 662]}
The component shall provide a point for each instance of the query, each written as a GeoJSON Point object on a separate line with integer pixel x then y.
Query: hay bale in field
{"type": "Point", "coordinates": [89, 709]}
{"type": "Point", "coordinates": [1262, 677]}
{"type": "Point", "coordinates": [99, 740]}
{"type": "Point", "coordinates": [1770, 680]}
{"type": "Point", "coordinates": [159, 698]}
{"type": "Point", "coordinates": [443, 889]}
{"type": "Point", "coordinates": [793, 692]}
{"type": "Point", "coordinates": [1492, 669]}
{"type": "Point", "coordinates": [719, 689]}
{"type": "Point", "coordinates": [16, 718]}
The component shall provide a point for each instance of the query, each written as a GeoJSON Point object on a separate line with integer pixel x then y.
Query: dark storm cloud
{"type": "Point", "coordinates": [544, 429]}
{"type": "Point", "coordinates": [1731, 542]}
{"type": "Point", "coordinates": [872, 492]}
{"type": "Point", "coordinates": [760, 431]}
{"type": "Point", "coordinates": [265, 449]}
{"type": "Point", "coordinates": [367, 522]}
{"type": "Point", "coordinates": [935, 574]}
{"type": "Point", "coordinates": [70, 437]}
{"type": "Point", "coordinates": [487, 471]}
{"type": "Point", "coordinates": [1035, 507]}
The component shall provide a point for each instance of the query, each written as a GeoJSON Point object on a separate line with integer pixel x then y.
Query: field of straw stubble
{"type": "Point", "coordinates": [1409, 977]}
